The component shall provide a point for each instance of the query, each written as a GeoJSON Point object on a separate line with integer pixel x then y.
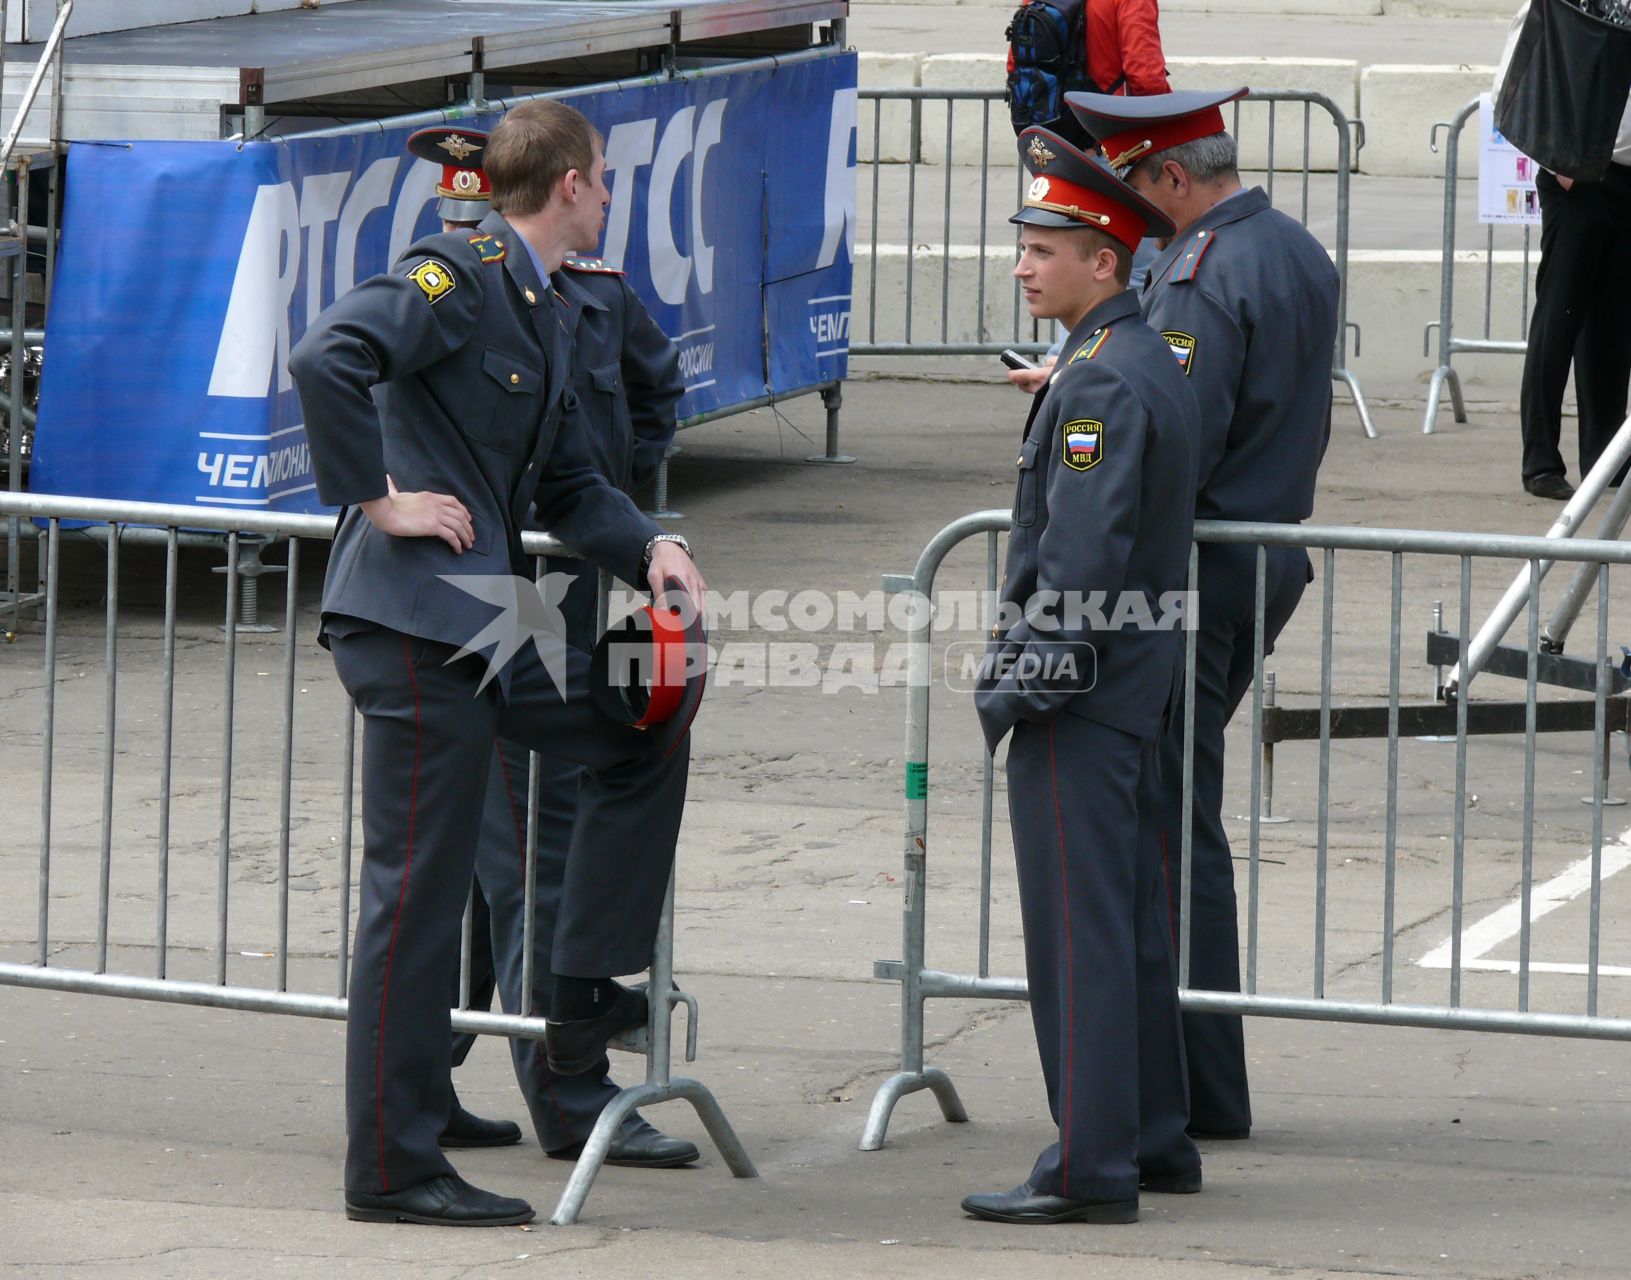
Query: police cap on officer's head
{"type": "Point", "coordinates": [466, 194]}
{"type": "Point", "coordinates": [1131, 128]}
{"type": "Point", "coordinates": [1069, 188]}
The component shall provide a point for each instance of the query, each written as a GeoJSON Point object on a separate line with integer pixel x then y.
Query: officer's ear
{"type": "Point", "coordinates": [572, 185]}
{"type": "Point", "coordinates": [1175, 178]}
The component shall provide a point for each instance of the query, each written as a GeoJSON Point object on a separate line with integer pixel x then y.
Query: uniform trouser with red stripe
{"type": "Point", "coordinates": [1225, 661]}
{"type": "Point", "coordinates": [1098, 957]}
{"type": "Point", "coordinates": [427, 752]}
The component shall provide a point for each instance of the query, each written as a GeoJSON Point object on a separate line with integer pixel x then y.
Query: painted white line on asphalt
{"type": "Point", "coordinates": [1507, 922]}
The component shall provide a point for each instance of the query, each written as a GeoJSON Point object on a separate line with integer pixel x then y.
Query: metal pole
{"type": "Point", "coordinates": [1591, 488]}
{"type": "Point", "coordinates": [1556, 630]}
{"type": "Point", "coordinates": [1445, 372]}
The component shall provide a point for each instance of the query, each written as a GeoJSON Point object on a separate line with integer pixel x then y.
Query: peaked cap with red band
{"type": "Point", "coordinates": [1131, 128]}
{"type": "Point", "coordinates": [649, 670]}
{"type": "Point", "coordinates": [466, 194]}
{"type": "Point", "coordinates": [1069, 188]}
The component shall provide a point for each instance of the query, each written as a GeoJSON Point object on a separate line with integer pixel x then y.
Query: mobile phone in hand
{"type": "Point", "coordinates": [1014, 360]}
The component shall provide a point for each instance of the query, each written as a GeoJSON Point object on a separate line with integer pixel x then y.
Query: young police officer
{"type": "Point", "coordinates": [1103, 516]}
{"type": "Point", "coordinates": [1247, 300]}
{"type": "Point", "coordinates": [626, 375]}
{"type": "Point", "coordinates": [469, 349]}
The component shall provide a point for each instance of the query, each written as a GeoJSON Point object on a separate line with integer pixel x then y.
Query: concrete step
{"type": "Point", "coordinates": [966, 296]}
{"type": "Point", "coordinates": [934, 205]}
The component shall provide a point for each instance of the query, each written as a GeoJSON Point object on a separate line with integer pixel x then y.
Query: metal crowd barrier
{"type": "Point", "coordinates": [238, 871]}
{"type": "Point", "coordinates": [1486, 341]}
{"type": "Point", "coordinates": [920, 984]}
{"type": "Point", "coordinates": [973, 304]}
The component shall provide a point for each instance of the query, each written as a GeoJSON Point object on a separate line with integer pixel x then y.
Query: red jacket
{"type": "Point", "coordinates": [1124, 39]}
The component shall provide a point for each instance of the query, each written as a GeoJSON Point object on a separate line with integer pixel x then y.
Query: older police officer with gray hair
{"type": "Point", "coordinates": [1246, 300]}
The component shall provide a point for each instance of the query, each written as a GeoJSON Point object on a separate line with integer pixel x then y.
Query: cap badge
{"type": "Point", "coordinates": [1038, 190]}
{"type": "Point", "coordinates": [1041, 157]}
{"type": "Point", "coordinates": [457, 147]}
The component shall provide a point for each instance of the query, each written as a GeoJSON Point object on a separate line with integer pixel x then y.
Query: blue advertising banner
{"type": "Point", "coordinates": [188, 269]}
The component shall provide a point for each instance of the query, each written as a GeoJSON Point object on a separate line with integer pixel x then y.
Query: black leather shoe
{"type": "Point", "coordinates": [1184, 1182]}
{"type": "Point", "coordinates": [1218, 1135]}
{"type": "Point", "coordinates": [1550, 486]}
{"type": "Point", "coordinates": [578, 1045]}
{"type": "Point", "coordinates": [639, 1146]}
{"type": "Point", "coordinates": [1028, 1207]}
{"type": "Point", "coordinates": [467, 1130]}
{"type": "Point", "coordinates": [444, 1201]}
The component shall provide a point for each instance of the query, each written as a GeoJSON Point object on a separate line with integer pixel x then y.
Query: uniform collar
{"type": "Point", "coordinates": [1118, 306]}
{"type": "Point", "coordinates": [519, 259]}
{"type": "Point", "coordinates": [1243, 204]}
{"type": "Point", "coordinates": [577, 294]}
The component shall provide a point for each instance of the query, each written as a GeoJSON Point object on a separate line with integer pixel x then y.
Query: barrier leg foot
{"type": "Point", "coordinates": [719, 1128]}
{"type": "Point", "coordinates": [1365, 419]}
{"type": "Point", "coordinates": [1457, 401]}
{"type": "Point", "coordinates": [1435, 392]}
{"type": "Point", "coordinates": [593, 1159]}
{"type": "Point", "coordinates": [833, 398]}
{"type": "Point", "coordinates": [897, 1087]}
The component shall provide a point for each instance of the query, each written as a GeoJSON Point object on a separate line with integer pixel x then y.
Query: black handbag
{"type": "Point", "coordinates": [1566, 86]}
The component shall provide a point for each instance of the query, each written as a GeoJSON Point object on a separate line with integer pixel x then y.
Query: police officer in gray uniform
{"type": "Point", "coordinates": [1247, 301]}
{"type": "Point", "coordinates": [468, 349]}
{"type": "Point", "coordinates": [626, 375]}
{"type": "Point", "coordinates": [1102, 522]}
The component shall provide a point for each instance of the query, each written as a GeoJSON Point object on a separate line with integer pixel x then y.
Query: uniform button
{"type": "Point", "coordinates": [531, 465]}
{"type": "Point", "coordinates": [1020, 461]}
{"type": "Point", "coordinates": [514, 378]}
{"type": "Point", "coordinates": [531, 296]}
{"type": "Point", "coordinates": [498, 244]}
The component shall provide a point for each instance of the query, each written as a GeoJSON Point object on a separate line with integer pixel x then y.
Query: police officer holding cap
{"type": "Point", "coordinates": [1246, 300]}
{"type": "Point", "coordinates": [625, 373]}
{"type": "Point", "coordinates": [476, 431]}
{"type": "Point", "coordinates": [1104, 504]}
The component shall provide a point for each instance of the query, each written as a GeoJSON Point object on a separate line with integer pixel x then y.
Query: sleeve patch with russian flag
{"type": "Point", "coordinates": [1083, 443]}
{"type": "Point", "coordinates": [1183, 348]}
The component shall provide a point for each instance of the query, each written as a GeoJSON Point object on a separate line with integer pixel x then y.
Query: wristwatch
{"type": "Point", "coordinates": [645, 559]}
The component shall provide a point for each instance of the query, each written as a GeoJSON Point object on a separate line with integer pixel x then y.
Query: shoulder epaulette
{"type": "Point", "coordinates": [1090, 348]}
{"type": "Point", "coordinates": [590, 264]}
{"type": "Point", "coordinates": [487, 248]}
{"type": "Point", "coordinates": [1189, 261]}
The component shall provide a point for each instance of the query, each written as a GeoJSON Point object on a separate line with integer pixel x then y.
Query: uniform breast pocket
{"type": "Point", "coordinates": [505, 407]}
{"type": "Point", "coordinates": [1025, 493]}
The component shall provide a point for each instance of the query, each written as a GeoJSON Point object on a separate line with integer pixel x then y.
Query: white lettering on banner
{"type": "Point", "coordinates": [840, 194]}
{"type": "Point", "coordinates": [696, 360]}
{"type": "Point", "coordinates": [671, 270]}
{"type": "Point", "coordinates": [254, 342]}
{"type": "Point", "coordinates": [321, 196]}
{"type": "Point", "coordinates": [373, 191]}
{"type": "Point", "coordinates": [830, 327]}
{"type": "Point", "coordinates": [628, 149]}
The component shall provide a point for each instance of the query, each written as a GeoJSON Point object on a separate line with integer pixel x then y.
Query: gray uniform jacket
{"type": "Point", "coordinates": [1103, 516]}
{"type": "Point", "coordinates": [470, 354]}
{"type": "Point", "coordinates": [1247, 300]}
{"type": "Point", "coordinates": [625, 372]}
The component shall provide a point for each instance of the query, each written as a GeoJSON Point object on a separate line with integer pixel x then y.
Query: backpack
{"type": "Point", "coordinates": [1047, 58]}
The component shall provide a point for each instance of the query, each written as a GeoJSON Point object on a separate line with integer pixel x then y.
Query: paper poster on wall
{"type": "Point", "coordinates": [1506, 177]}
